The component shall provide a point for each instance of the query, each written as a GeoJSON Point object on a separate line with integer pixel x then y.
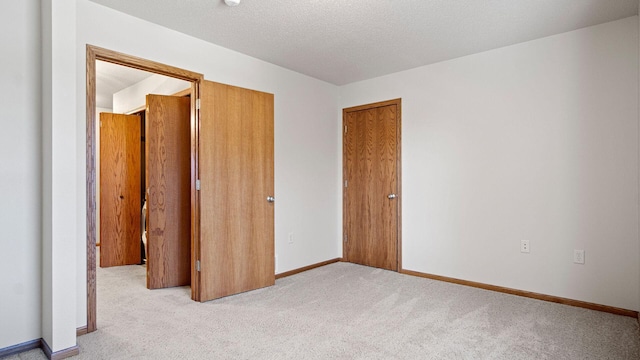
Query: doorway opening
{"type": "Point", "coordinates": [144, 173]}
{"type": "Point", "coordinates": [372, 185]}
{"type": "Point", "coordinates": [95, 54]}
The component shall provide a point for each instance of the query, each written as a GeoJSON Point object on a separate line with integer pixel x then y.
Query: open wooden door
{"type": "Point", "coordinates": [236, 197]}
{"type": "Point", "coordinates": [168, 176]}
{"type": "Point", "coordinates": [119, 190]}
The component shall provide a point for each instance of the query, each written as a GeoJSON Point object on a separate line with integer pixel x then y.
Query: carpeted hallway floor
{"type": "Point", "coordinates": [345, 311]}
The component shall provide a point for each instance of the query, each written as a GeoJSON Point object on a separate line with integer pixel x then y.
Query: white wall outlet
{"type": "Point", "coordinates": [524, 246]}
{"type": "Point", "coordinates": [578, 256]}
{"type": "Point", "coordinates": [291, 238]}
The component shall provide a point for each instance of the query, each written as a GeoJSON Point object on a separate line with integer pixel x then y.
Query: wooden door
{"type": "Point", "coordinates": [236, 174]}
{"type": "Point", "coordinates": [120, 203]}
{"type": "Point", "coordinates": [168, 176]}
{"type": "Point", "coordinates": [371, 184]}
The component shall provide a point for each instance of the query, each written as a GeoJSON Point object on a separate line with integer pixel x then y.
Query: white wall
{"type": "Point", "coordinates": [20, 172]}
{"type": "Point", "coordinates": [134, 97]}
{"type": "Point", "coordinates": [99, 110]}
{"type": "Point", "coordinates": [306, 144]}
{"type": "Point", "coordinates": [534, 141]}
{"type": "Point", "coordinates": [59, 200]}
{"type": "Point", "coordinates": [564, 107]}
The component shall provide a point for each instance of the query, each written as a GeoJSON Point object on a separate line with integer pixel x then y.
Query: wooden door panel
{"type": "Point", "coordinates": [236, 173]}
{"type": "Point", "coordinates": [168, 156]}
{"type": "Point", "coordinates": [120, 171]}
{"type": "Point", "coordinates": [370, 171]}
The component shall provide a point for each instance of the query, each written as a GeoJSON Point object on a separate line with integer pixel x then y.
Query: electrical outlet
{"type": "Point", "coordinates": [578, 256]}
{"type": "Point", "coordinates": [291, 238]}
{"type": "Point", "coordinates": [524, 246]}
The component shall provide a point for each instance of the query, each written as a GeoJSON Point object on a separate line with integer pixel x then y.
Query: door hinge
{"type": "Point", "coordinates": [197, 104]}
{"type": "Point", "coordinates": [346, 183]}
{"type": "Point", "coordinates": [345, 129]}
{"type": "Point", "coordinates": [197, 265]}
{"type": "Point", "coordinates": [345, 238]}
{"type": "Point", "coordinates": [100, 123]}
{"type": "Point", "coordinates": [197, 184]}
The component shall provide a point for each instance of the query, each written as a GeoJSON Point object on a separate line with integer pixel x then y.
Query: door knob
{"type": "Point", "coordinates": [271, 199]}
{"type": "Point", "coordinates": [392, 196]}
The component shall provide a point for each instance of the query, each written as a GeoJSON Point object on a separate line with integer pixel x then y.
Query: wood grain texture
{"type": "Point", "coordinates": [236, 172]}
{"type": "Point", "coordinates": [91, 188]}
{"type": "Point", "coordinates": [168, 150]}
{"type": "Point", "coordinates": [371, 173]}
{"type": "Point", "coordinates": [195, 195]}
{"type": "Point", "coordinates": [120, 170]}
{"type": "Point", "coordinates": [94, 53]}
{"type": "Point", "coordinates": [307, 268]}
{"type": "Point", "coordinates": [143, 64]}
{"type": "Point", "coordinates": [398, 103]}
{"type": "Point", "coordinates": [529, 294]}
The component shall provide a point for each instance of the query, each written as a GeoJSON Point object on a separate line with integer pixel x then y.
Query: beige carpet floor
{"type": "Point", "coordinates": [345, 311]}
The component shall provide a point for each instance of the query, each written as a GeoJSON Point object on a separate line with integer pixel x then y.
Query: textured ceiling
{"type": "Point", "coordinates": [351, 40]}
{"type": "Point", "coordinates": [111, 78]}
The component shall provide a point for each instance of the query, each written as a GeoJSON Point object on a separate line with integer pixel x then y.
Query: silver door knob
{"type": "Point", "coordinates": [392, 196]}
{"type": "Point", "coordinates": [271, 199]}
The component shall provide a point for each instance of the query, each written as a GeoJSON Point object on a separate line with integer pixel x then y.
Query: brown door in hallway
{"type": "Point", "coordinates": [371, 187]}
{"type": "Point", "coordinates": [236, 205]}
{"type": "Point", "coordinates": [119, 190]}
{"type": "Point", "coordinates": [168, 177]}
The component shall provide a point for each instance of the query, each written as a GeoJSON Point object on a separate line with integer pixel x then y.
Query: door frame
{"type": "Point", "coordinates": [345, 111]}
{"type": "Point", "coordinates": [94, 53]}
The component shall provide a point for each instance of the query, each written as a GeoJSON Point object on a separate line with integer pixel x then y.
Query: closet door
{"type": "Point", "coordinates": [168, 155]}
{"type": "Point", "coordinates": [236, 174]}
{"type": "Point", "coordinates": [120, 204]}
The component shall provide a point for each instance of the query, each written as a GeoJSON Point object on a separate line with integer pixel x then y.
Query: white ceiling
{"type": "Point", "coordinates": [342, 41]}
{"type": "Point", "coordinates": [111, 78]}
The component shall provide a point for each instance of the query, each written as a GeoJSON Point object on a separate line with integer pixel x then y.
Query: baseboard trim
{"type": "Point", "coordinates": [529, 294]}
{"type": "Point", "coordinates": [58, 355]}
{"type": "Point", "coordinates": [307, 268]}
{"type": "Point", "coordinates": [15, 349]}
{"type": "Point", "coordinates": [40, 344]}
{"type": "Point", "coordinates": [82, 331]}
